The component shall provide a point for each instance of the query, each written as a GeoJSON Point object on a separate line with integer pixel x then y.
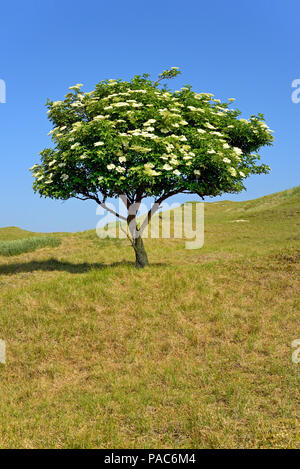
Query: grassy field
{"type": "Point", "coordinates": [192, 352]}
{"type": "Point", "coordinates": [19, 246]}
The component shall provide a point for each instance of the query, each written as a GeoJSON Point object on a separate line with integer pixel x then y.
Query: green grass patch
{"type": "Point", "coordinates": [20, 246]}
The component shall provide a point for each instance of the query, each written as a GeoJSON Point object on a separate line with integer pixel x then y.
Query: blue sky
{"type": "Point", "coordinates": [244, 49]}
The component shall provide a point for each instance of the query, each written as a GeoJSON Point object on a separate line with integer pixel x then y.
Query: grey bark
{"type": "Point", "coordinates": [141, 258]}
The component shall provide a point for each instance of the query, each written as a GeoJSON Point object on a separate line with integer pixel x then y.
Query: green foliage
{"type": "Point", "coordinates": [133, 138]}
{"type": "Point", "coordinates": [20, 246]}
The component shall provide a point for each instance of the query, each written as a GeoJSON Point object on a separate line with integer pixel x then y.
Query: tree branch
{"type": "Point", "coordinates": [88, 196]}
{"type": "Point", "coordinates": [102, 204]}
{"type": "Point", "coordinates": [155, 207]}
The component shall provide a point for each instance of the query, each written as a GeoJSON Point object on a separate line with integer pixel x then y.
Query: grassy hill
{"type": "Point", "coordinates": [193, 351]}
{"type": "Point", "coordinates": [13, 232]}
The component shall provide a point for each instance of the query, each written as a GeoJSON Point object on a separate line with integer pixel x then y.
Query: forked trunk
{"type": "Point", "coordinates": [141, 258]}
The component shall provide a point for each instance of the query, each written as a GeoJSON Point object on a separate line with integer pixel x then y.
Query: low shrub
{"type": "Point", "coordinates": [20, 246]}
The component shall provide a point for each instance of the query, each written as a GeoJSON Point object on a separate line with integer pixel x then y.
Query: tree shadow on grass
{"type": "Point", "coordinates": [52, 265]}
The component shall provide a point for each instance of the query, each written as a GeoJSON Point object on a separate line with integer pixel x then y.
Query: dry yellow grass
{"type": "Point", "coordinates": [192, 352]}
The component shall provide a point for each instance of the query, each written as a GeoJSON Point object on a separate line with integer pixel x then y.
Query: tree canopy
{"type": "Point", "coordinates": [136, 139]}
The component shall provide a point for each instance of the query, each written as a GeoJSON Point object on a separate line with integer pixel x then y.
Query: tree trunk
{"type": "Point", "coordinates": [141, 258]}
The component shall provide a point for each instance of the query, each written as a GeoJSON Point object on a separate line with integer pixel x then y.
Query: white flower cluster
{"type": "Point", "coordinates": [76, 87]}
